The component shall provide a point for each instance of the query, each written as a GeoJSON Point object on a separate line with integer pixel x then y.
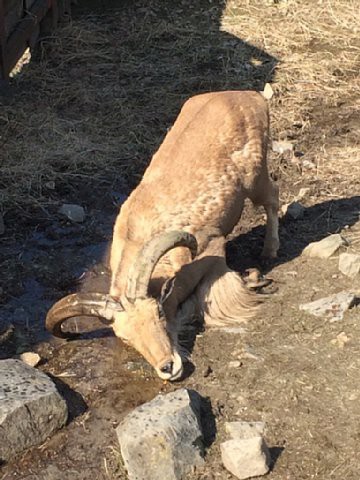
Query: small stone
{"type": "Point", "coordinates": [231, 330]}
{"type": "Point", "coordinates": [341, 340]}
{"type": "Point", "coordinates": [307, 165]}
{"type": "Point", "coordinates": [332, 307]}
{"type": "Point", "coordinates": [30, 358]}
{"type": "Point", "coordinates": [73, 212]}
{"type": "Point", "coordinates": [282, 147]}
{"type": "Point", "coordinates": [325, 247]}
{"type": "Point", "coordinates": [293, 210]}
{"type": "Point", "coordinates": [31, 408]}
{"type": "Point", "coordinates": [302, 193]}
{"type": "Point", "coordinates": [245, 429]}
{"type": "Point", "coordinates": [235, 364]}
{"type": "Point", "coordinates": [249, 352]}
{"type": "Point", "coordinates": [50, 185]}
{"type": "Point", "coordinates": [2, 225]}
{"type": "Point", "coordinates": [162, 439]}
{"type": "Point", "coordinates": [349, 264]}
{"type": "Point", "coordinates": [292, 273]}
{"type": "Point", "coordinates": [268, 92]}
{"type": "Point", "coordinates": [246, 457]}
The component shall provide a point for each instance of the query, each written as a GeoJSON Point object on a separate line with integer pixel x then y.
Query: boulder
{"type": "Point", "coordinates": [162, 439]}
{"type": "Point", "coordinates": [349, 264]}
{"type": "Point", "coordinates": [246, 457]}
{"type": "Point", "coordinates": [31, 408]}
{"type": "Point", "coordinates": [325, 247]}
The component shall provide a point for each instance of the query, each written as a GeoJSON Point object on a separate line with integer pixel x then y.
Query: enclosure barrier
{"type": "Point", "coordinates": [21, 24]}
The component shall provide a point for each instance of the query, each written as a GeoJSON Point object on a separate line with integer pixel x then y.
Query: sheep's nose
{"type": "Point", "coordinates": [167, 368]}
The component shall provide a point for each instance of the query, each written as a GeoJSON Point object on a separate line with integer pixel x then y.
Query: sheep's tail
{"type": "Point", "coordinates": [224, 299]}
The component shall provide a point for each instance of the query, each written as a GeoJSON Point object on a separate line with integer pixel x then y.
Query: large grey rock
{"type": "Point", "coordinates": [325, 247]}
{"type": "Point", "coordinates": [246, 457]}
{"type": "Point", "coordinates": [332, 307]}
{"type": "Point", "coordinates": [162, 439]}
{"type": "Point", "coordinates": [73, 212]}
{"type": "Point", "coordinates": [31, 408]}
{"type": "Point", "coordinates": [349, 264]}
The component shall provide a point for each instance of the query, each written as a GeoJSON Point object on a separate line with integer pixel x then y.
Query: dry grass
{"type": "Point", "coordinates": [108, 85]}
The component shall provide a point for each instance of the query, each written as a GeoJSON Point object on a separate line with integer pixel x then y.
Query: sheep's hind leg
{"type": "Point", "coordinates": [269, 198]}
{"type": "Point", "coordinates": [271, 205]}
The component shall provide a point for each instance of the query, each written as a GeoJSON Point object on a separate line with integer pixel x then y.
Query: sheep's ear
{"type": "Point", "coordinates": [166, 290]}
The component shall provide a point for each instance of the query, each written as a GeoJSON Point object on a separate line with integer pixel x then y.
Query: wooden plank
{"type": "Point", "coordinates": [21, 28]}
{"type": "Point", "coordinates": [9, 5]}
{"type": "Point", "coordinates": [3, 69]}
{"type": "Point", "coordinates": [17, 42]}
{"type": "Point", "coordinates": [12, 15]}
{"type": "Point", "coordinates": [64, 9]}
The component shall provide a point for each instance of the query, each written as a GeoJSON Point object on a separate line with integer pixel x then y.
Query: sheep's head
{"type": "Point", "coordinates": [137, 319]}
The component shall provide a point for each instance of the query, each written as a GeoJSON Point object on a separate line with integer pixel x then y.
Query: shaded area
{"type": "Point", "coordinates": [318, 221]}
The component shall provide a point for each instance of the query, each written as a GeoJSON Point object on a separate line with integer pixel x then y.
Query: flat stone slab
{"type": "Point", "coordinates": [31, 408]}
{"type": "Point", "coordinates": [325, 247]}
{"type": "Point", "coordinates": [332, 307]}
{"type": "Point", "coordinates": [162, 439]}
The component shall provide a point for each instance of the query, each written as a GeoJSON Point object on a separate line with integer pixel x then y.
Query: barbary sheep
{"type": "Point", "coordinates": [169, 238]}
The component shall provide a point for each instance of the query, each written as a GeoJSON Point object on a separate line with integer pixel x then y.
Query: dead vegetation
{"type": "Point", "coordinates": [109, 84]}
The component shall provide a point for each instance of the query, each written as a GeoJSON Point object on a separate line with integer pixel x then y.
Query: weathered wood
{"type": "Point", "coordinates": [13, 11]}
{"type": "Point", "coordinates": [20, 23]}
{"type": "Point", "coordinates": [17, 42]}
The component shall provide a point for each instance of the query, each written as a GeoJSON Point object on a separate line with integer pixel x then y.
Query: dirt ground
{"type": "Point", "coordinates": [80, 125]}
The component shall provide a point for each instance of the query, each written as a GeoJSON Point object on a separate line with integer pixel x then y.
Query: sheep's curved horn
{"type": "Point", "coordinates": [78, 304]}
{"type": "Point", "coordinates": [149, 256]}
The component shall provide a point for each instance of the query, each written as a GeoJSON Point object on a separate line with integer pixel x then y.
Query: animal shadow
{"type": "Point", "coordinates": [317, 222]}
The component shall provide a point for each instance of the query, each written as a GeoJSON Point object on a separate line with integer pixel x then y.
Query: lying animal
{"type": "Point", "coordinates": [168, 246]}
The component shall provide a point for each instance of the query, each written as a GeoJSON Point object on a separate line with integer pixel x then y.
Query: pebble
{"type": "Point", "coordinates": [235, 364]}
{"type": "Point", "coordinates": [293, 210]}
{"type": "Point", "coordinates": [30, 358]}
{"type": "Point", "coordinates": [73, 212]}
{"type": "Point", "coordinates": [268, 92]}
{"type": "Point", "coordinates": [282, 147]}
